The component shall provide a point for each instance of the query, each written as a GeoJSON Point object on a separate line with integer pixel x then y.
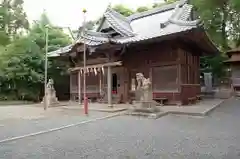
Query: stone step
{"type": "Point", "coordinates": [148, 115]}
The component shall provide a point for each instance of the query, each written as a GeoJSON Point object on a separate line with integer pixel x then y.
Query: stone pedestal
{"type": "Point", "coordinates": [50, 97]}
{"type": "Point", "coordinates": [144, 105]}
{"type": "Point", "coordinates": [52, 100]}
{"type": "Point", "coordinates": [223, 93]}
{"type": "Point", "coordinates": [208, 82]}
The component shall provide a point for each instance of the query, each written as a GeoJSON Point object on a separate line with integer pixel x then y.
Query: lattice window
{"type": "Point", "coordinates": [74, 79]}
{"type": "Point", "coordinates": [165, 78]}
{"type": "Point", "coordinates": [236, 72]}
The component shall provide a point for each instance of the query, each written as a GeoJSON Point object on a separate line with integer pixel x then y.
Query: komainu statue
{"type": "Point", "coordinates": [144, 92]}
{"type": "Point", "coordinates": [50, 97]}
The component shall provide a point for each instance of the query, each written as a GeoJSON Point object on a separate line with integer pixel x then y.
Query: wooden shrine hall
{"type": "Point", "coordinates": [164, 44]}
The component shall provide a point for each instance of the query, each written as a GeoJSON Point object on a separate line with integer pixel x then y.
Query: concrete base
{"type": "Point", "coordinates": [237, 93]}
{"type": "Point", "coordinates": [98, 109]}
{"type": "Point", "coordinates": [150, 112]}
{"type": "Point", "coordinates": [53, 102]}
{"type": "Point", "coordinates": [145, 110]}
{"type": "Point", "coordinates": [223, 93]}
{"type": "Point", "coordinates": [202, 108]}
{"type": "Point", "coordinates": [148, 115]}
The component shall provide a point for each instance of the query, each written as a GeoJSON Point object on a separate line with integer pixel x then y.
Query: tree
{"type": "Point", "coordinates": [4, 38]}
{"type": "Point", "coordinates": [221, 21]}
{"type": "Point", "coordinates": [57, 68]}
{"type": "Point", "coordinates": [123, 10]}
{"type": "Point", "coordinates": [22, 69]}
{"type": "Point", "coordinates": [56, 37]}
{"type": "Point", "coordinates": [214, 15]}
{"type": "Point", "coordinates": [155, 5]}
{"type": "Point", "coordinates": [12, 17]}
{"type": "Point", "coordinates": [142, 9]}
{"type": "Point", "coordinates": [22, 61]}
{"type": "Point", "coordinates": [89, 26]}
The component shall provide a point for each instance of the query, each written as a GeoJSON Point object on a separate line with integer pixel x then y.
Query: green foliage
{"type": "Point", "coordinates": [56, 39]}
{"type": "Point", "coordinates": [155, 5]}
{"type": "Point", "coordinates": [22, 69]}
{"type": "Point", "coordinates": [22, 61]}
{"type": "Point", "coordinates": [214, 64]}
{"type": "Point", "coordinates": [123, 10]}
{"type": "Point", "coordinates": [12, 17]}
{"type": "Point", "coordinates": [4, 38]}
{"type": "Point", "coordinates": [142, 9]}
{"type": "Point", "coordinates": [221, 19]}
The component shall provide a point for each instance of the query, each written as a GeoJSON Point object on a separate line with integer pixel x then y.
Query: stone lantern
{"type": "Point", "coordinates": [234, 63]}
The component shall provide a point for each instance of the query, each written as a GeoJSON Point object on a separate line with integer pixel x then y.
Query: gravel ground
{"type": "Point", "coordinates": [214, 137]}
{"type": "Point", "coordinates": [18, 127]}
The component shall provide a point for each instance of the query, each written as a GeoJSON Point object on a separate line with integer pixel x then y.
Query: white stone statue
{"type": "Point", "coordinates": [50, 94]}
{"type": "Point", "coordinates": [144, 92]}
{"type": "Point", "coordinates": [50, 84]}
{"type": "Point", "coordinates": [144, 104]}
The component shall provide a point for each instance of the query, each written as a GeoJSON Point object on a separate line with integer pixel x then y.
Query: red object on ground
{"type": "Point", "coordinates": [85, 105]}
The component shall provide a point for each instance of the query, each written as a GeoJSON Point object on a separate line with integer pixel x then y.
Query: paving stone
{"type": "Point", "coordinates": [216, 136]}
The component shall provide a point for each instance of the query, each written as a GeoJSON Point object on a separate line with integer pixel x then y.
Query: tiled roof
{"type": "Point", "coordinates": [146, 25]}
{"type": "Point", "coordinates": [157, 10]}
{"type": "Point", "coordinates": [166, 20]}
{"type": "Point", "coordinates": [60, 51]}
{"type": "Point", "coordinates": [235, 50]}
{"type": "Point", "coordinates": [233, 58]}
{"type": "Point", "coordinates": [118, 22]}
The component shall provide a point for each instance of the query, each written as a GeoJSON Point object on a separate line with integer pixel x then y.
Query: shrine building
{"type": "Point", "coordinates": [165, 44]}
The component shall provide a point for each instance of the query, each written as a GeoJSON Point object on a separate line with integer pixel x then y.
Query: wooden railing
{"type": "Point", "coordinates": [93, 91]}
{"type": "Point", "coordinates": [90, 89]}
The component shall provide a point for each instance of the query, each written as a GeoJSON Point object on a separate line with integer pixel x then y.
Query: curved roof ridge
{"type": "Point", "coordinates": [176, 11]}
{"type": "Point", "coordinates": [118, 15]}
{"type": "Point", "coordinates": [157, 10]}
{"type": "Point", "coordinates": [187, 9]}
{"type": "Point", "coordinates": [97, 34]}
{"type": "Point", "coordinates": [119, 24]}
{"type": "Point", "coordinates": [181, 18]}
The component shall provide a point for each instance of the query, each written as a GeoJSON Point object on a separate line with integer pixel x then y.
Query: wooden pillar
{"type": "Point", "coordinates": [79, 88]}
{"type": "Point", "coordinates": [150, 76]}
{"type": "Point", "coordinates": [70, 86]}
{"type": "Point", "coordinates": [179, 68]}
{"type": "Point", "coordinates": [100, 83]}
{"type": "Point", "coordinates": [109, 85]}
{"type": "Point", "coordinates": [126, 83]}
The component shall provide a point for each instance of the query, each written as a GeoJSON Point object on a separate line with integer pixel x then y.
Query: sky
{"type": "Point", "coordinates": [68, 13]}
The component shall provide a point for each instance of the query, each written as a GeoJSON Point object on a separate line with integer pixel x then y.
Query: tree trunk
{"type": "Point", "coordinates": [223, 26]}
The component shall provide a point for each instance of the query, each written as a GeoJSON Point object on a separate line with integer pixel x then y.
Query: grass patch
{"type": "Point", "coordinates": [8, 103]}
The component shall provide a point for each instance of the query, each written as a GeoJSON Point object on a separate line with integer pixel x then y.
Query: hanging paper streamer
{"type": "Point", "coordinates": [91, 70]}
{"type": "Point", "coordinates": [87, 71]}
{"type": "Point", "coordinates": [102, 70]}
{"type": "Point", "coordinates": [95, 71]}
{"type": "Point", "coordinates": [83, 70]}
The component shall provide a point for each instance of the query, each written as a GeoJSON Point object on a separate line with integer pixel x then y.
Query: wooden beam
{"type": "Point", "coordinates": [118, 63]}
